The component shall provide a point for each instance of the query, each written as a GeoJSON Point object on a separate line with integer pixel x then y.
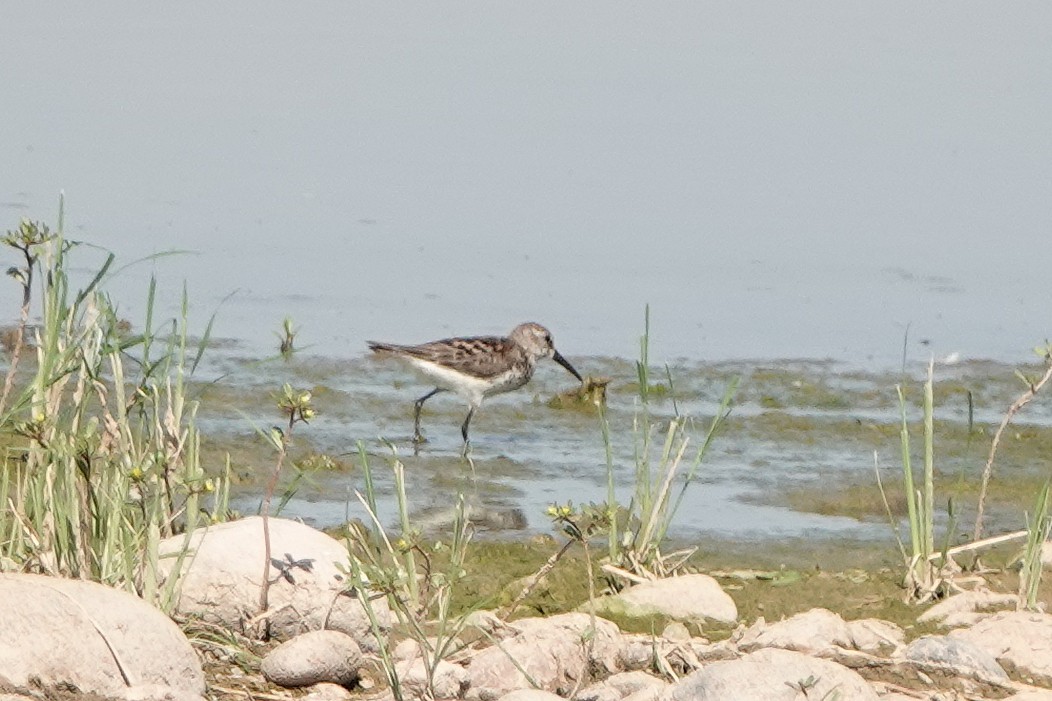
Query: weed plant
{"type": "Point", "coordinates": [1038, 526]}
{"type": "Point", "coordinates": [922, 581]}
{"type": "Point", "coordinates": [1033, 386]}
{"type": "Point", "coordinates": [102, 454]}
{"type": "Point", "coordinates": [638, 530]}
{"type": "Point", "coordinates": [929, 572]}
{"type": "Point", "coordinates": [416, 579]}
{"type": "Point", "coordinates": [296, 408]}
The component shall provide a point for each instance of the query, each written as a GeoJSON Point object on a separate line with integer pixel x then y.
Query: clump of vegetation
{"type": "Point", "coordinates": [287, 339]}
{"type": "Point", "coordinates": [417, 580]}
{"type": "Point", "coordinates": [589, 396]}
{"type": "Point", "coordinates": [296, 407]}
{"type": "Point", "coordinates": [923, 581]}
{"type": "Point", "coordinates": [638, 530]}
{"type": "Point", "coordinates": [103, 452]}
{"type": "Point", "coordinates": [929, 573]}
{"type": "Point", "coordinates": [1038, 526]}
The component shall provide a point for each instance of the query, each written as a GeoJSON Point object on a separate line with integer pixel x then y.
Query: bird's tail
{"type": "Point", "coordinates": [378, 347]}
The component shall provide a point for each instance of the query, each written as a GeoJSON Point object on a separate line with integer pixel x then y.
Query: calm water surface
{"type": "Point", "coordinates": [774, 183]}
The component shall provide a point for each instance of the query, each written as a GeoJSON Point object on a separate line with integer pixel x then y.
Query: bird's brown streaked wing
{"type": "Point", "coordinates": [481, 356]}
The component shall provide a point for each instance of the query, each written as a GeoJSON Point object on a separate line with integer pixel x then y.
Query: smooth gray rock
{"type": "Point", "coordinates": [622, 685]}
{"type": "Point", "coordinates": [646, 694]}
{"type": "Point", "coordinates": [967, 608]}
{"type": "Point", "coordinates": [221, 576]}
{"type": "Point", "coordinates": [447, 680]}
{"type": "Point", "coordinates": [814, 632]}
{"type": "Point", "coordinates": [327, 691]}
{"type": "Point", "coordinates": [405, 650]}
{"type": "Point", "coordinates": [956, 655]}
{"type": "Point", "coordinates": [157, 692]}
{"type": "Point", "coordinates": [676, 632]}
{"type": "Point", "coordinates": [1018, 640]}
{"type": "Point", "coordinates": [691, 597]}
{"type": "Point", "coordinates": [98, 639]}
{"type": "Point", "coordinates": [875, 636]}
{"type": "Point", "coordinates": [312, 658]}
{"type": "Point", "coordinates": [558, 653]}
{"type": "Point", "coordinates": [1034, 695]}
{"type": "Point", "coordinates": [637, 653]}
{"type": "Point", "coordinates": [531, 695]}
{"type": "Point", "coordinates": [771, 675]}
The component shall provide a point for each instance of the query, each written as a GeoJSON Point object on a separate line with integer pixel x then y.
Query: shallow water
{"type": "Point", "coordinates": [527, 455]}
{"type": "Point", "coordinates": [848, 186]}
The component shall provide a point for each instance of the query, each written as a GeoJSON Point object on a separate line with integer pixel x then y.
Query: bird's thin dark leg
{"type": "Point", "coordinates": [464, 427]}
{"type": "Point", "coordinates": [418, 405]}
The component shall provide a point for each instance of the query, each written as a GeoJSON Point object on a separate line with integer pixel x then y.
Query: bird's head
{"type": "Point", "coordinates": [537, 341]}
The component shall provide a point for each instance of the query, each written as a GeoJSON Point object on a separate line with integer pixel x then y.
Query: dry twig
{"type": "Point", "coordinates": [1018, 404]}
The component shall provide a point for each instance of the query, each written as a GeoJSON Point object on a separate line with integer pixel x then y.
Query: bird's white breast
{"type": "Point", "coordinates": [470, 388]}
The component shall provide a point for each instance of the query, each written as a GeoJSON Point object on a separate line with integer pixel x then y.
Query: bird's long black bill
{"type": "Point", "coordinates": [566, 364]}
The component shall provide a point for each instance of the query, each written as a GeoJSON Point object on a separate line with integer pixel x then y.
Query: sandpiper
{"type": "Point", "coordinates": [477, 367]}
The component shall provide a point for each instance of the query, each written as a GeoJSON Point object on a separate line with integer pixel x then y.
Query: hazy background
{"type": "Point", "coordinates": [775, 179]}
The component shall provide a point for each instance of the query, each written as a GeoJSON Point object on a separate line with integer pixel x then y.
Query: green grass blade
{"type": "Point", "coordinates": [94, 281]}
{"type": "Point", "coordinates": [907, 478]}
{"type": "Point", "coordinates": [927, 514]}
